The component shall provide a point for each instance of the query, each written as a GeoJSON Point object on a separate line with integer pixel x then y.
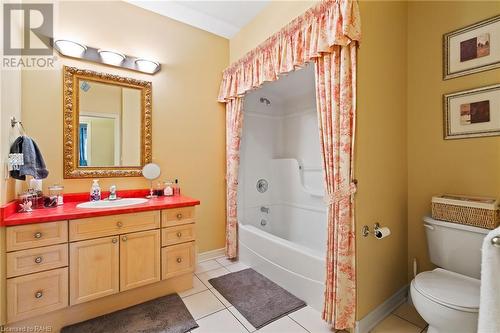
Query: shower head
{"type": "Point", "coordinates": [265, 100]}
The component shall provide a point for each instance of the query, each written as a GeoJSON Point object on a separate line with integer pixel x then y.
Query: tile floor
{"type": "Point", "coordinates": [215, 314]}
{"type": "Point", "coordinates": [405, 319]}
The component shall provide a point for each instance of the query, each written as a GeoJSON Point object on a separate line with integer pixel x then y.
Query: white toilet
{"type": "Point", "coordinates": [448, 297]}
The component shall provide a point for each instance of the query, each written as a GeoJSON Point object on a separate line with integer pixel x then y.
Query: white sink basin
{"type": "Point", "coordinates": [112, 203]}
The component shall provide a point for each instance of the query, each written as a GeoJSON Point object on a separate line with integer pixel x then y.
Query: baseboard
{"type": "Point", "coordinates": [371, 320]}
{"type": "Point", "coordinates": [212, 254]}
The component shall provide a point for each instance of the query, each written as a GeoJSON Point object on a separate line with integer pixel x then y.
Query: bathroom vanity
{"type": "Point", "coordinates": [68, 264]}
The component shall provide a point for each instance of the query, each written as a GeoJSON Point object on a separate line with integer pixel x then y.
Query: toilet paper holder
{"type": "Point", "coordinates": [378, 231]}
{"type": "Point", "coordinates": [366, 229]}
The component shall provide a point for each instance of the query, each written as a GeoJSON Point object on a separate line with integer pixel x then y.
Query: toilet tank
{"type": "Point", "coordinates": [455, 247]}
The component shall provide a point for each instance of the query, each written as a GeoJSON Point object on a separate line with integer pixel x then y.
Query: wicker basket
{"type": "Point", "coordinates": [474, 211]}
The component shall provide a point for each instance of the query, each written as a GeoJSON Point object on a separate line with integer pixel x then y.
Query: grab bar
{"type": "Point", "coordinates": [495, 241]}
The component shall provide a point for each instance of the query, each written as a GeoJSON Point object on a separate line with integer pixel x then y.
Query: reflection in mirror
{"type": "Point", "coordinates": [109, 131]}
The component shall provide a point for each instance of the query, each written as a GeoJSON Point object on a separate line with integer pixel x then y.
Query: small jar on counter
{"type": "Point", "coordinates": [56, 195]}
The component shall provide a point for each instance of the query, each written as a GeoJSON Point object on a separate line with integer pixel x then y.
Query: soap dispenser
{"type": "Point", "coordinates": [95, 191]}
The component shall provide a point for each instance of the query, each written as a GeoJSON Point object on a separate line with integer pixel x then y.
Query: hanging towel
{"type": "Point", "coordinates": [34, 165]}
{"type": "Point", "coordinates": [489, 304]}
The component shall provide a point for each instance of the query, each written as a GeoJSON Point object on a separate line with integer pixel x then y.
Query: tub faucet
{"type": "Point", "coordinates": [112, 193]}
{"type": "Point", "coordinates": [264, 209]}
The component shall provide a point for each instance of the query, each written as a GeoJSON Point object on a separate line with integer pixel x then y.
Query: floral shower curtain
{"type": "Point", "coordinates": [234, 121]}
{"type": "Point", "coordinates": [327, 34]}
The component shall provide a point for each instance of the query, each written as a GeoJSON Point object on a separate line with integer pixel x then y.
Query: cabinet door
{"type": "Point", "coordinates": [94, 269]}
{"type": "Point", "coordinates": [139, 259]}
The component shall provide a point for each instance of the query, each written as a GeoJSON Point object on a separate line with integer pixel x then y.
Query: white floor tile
{"type": "Point", "coordinates": [311, 320]}
{"type": "Point", "coordinates": [220, 322]}
{"type": "Point", "coordinates": [282, 325]}
{"type": "Point", "coordinates": [205, 276]}
{"type": "Point", "coordinates": [237, 267]}
{"type": "Point", "coordinates": [225, 261]}
{"type": "Point", "coordinates": [202, 304]}
{"type": "Point", "coordinates": [207, 265]}
{"type": "Point", "coordinates": [241, 319]}
{"type": "Point", "coordinates": [221, 298]}
{"type": "Point", "coordinates": [198, 286]}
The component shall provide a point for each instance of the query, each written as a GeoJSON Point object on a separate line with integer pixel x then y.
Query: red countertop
{"type": "Point", "coordinates": [69, 211]}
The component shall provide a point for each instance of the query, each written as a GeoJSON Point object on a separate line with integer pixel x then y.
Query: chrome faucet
{"type": "Point", "coordinates": [264, 209]}
{"type": "Point", "coordinates": [112, 193]}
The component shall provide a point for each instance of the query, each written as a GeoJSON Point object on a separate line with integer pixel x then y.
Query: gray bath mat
{"type": "Point", "coordinates": [166, 314]}
{"type": "Point", "coordinates": [257, 298]}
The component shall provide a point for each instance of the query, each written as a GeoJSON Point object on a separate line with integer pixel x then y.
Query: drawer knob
{"type": "Point", "coordinates": [38, 260]}
{"type": "Point", "coordinates": [179, 216]}
{"type": "Point", "coordinates": [37, 235]}
{"type": "Point", "coordinates": [119, 224]}
{"type": "Point", "coordinates": [179, 260]}
{"type": "Point", "coordinates": [114, 240]}
{"type": "Point", "coordinates": [179, 234]}
{"type": "Point", "coordinates": [39, 294]}
{"type": "Point", "coordinates": [124, 238]}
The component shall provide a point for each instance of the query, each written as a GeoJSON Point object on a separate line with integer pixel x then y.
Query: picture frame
{"type": "Point", "coordinates": [472, 49]}
{"type": "Point", "coordinates": [472, 113]}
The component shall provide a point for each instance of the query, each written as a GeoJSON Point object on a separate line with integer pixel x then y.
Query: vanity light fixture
{"type": "Point", "coordinates": [76, 50]}
{"type": "Point", "coordinates": [145, 65]}
{"type": "Point", "coordinates": [111, 57]}
{"type": "Point", "coordinates": [70, 48]}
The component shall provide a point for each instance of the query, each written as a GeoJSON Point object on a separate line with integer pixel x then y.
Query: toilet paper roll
{"type": "Point", "coordinates": [382, 232]}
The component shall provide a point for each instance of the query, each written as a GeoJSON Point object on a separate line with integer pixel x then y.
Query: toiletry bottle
{"type": "Point", "coordinates": [159, 190]}
{"type": "Point", "coordinates": [95, 191]}
{"type": "Point", "coordinates": [169, 189]}
{"type": "Point", "coordinates": [177, 189]}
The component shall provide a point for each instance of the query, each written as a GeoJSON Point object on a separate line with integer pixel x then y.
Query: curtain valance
{"type": "Point", "coordinates": [329, 23]}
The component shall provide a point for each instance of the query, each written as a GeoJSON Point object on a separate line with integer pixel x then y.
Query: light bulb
{"type": "Point", "coordinates": [70, 48]}
{"type": "Point", "coordinates": [111, 57]}
{"type": "Point", "coordinates": [145, 65]}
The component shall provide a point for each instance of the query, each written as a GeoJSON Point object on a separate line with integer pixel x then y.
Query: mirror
{"type": "Point", "coordinates": [151, 171]}
{"type": "Point", "coordinates": [107, 124]}
{"type": "Point", "coordinates": [109, 129]}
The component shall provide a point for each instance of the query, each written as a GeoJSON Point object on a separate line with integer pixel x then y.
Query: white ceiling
{"type": "Point", "coordinates": [223, 18]}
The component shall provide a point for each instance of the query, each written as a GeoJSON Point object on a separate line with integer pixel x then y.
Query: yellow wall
{"type": "Point", "coordinates": [466, 166]}
{"type": "Point", "coordinates": [188, 123]}
{"type": "Point", "coordinates": [381, 140]}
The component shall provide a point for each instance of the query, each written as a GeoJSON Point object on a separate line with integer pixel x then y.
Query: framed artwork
{"type": "Point", "coordinates": [472, 49]}
{"type": "Point", "coordinates": [472, 113]}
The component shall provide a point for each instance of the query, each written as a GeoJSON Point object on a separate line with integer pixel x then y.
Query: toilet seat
{"type": "Point", "coordinates": [449, 289]}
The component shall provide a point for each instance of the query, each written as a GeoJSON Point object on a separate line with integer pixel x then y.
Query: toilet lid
{"type": "Point", "coordinates": [449, 288]}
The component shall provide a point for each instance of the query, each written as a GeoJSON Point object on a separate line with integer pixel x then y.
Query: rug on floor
{"type": "Point", "coordinates": [258, 299]}
{"type": "Point", "coordinates": [166, 314]}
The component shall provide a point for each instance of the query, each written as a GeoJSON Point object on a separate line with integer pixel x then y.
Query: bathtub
{"type": "Point", "coordinates": [288, 246]}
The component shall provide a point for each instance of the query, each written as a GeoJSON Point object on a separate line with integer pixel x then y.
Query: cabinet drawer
{"type": "Point", "coordinates": [177, 216]}
{"type": "Point", "coordinates": [178, 234]}
{"type": "Point", "coordinates": [112, 225]}
{"type": "Point", "coordinates": [36, 260]}
{"type": "Point", "coordinates": [177, 260]}
{"type": "Point", "coordinates": [36, 294]}
{"type": "Point", "coordinates": [35, 235]}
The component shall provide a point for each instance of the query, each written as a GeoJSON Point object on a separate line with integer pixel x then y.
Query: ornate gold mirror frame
{"type": "Point", "coordinates": [71, 76]}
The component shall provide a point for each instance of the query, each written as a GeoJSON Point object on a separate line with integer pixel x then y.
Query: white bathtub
{"type": "Point", "coordinates": [289, 249]}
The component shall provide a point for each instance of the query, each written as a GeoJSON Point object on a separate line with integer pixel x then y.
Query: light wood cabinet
{"type": "Point", "coordinates": [177, 260]}
{"type": "Point", "coordinates": [36, 294]}
{"type": "Point", "coordinates": [94, 269]}
{"type": "Point", "coordinates": [103, 226]}
{"type": "Point", "coordinates": [177, 216]}
{"type": "Point", "coordinates": [178, 234]}
{"type": "Point", "coordinates": [36, 260]}
{"type": "Point", "coordinates": [139, 259]}
{"type": "Point", "coordinates": [50, 266]}
{"type": "Point", "coordinates": [35, 235]}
